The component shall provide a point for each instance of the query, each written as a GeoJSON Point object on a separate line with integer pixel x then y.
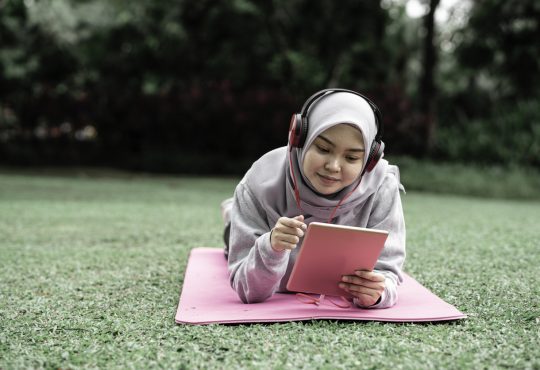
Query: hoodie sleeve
{"type": "Point", "coordinates": [387, 214]}
{"type": "Point", "coordinates": [255, 268]}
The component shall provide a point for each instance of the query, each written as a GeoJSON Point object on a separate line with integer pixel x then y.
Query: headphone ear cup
{"type": "Point", "coordinates": [376, 153]}
{"type": "Point", "coordinates": [303, 131]}
{"type": "Point", "coordinates": [293, 132]}
{"type": "Point", "coordinates": [297, 131]}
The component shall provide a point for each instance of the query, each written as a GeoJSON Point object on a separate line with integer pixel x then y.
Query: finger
{"type": "Point", "coordinates": [293, 223]}
{"type": "Point", "coordinates": [284, 245]}
{"type": "Point", "coordinates": [301, 219]}
{"type": "Point", "coordinates": [369, 275]}
{"type": "Point", "coordinates": [287, 238]}
{"type": "Point", "coordinates": [279, 245]}
{"type": "Point", "coordinates": [363, 282]}
{"type": "Point", "coordinates": [358, 289]}
{"type": "Point", "coordinates": [286, 230]}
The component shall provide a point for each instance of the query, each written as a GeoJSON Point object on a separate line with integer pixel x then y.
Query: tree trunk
{"type": "Point", "coordinates": [428, 89]}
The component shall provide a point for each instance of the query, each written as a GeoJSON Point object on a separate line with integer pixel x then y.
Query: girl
{"type": "Point", "coordinates": [331, 171]}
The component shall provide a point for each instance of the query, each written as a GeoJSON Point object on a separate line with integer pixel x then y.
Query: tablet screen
{"type": "Point", "coordinates": [330, 251]}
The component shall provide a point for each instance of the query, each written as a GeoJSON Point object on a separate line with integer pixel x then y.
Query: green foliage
{"type": "Point", "coordinates": [92, 266]}
{"type": "Point", "coordinates": [500, 44]}
{"type": "Point", "coordinates": [488, 107]}
{"type": "Point", "coordinates": [69, 23]}
{"type": "Point", "coordinates": [511, 135]}
{"type": "Point", "coordinates": [147, 75]}
{"type": "Point", "coordinates": [144, 76]}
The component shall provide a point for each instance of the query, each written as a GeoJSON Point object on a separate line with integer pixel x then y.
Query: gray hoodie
{"type": "Point", "coordinates": [266, 193]}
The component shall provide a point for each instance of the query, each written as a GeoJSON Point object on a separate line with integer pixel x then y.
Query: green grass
{"type": "Point", "coordinates": [91, 268]}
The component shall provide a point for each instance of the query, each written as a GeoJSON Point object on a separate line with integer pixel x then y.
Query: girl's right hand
{"type": "Point", "coordinates": [287, 233]}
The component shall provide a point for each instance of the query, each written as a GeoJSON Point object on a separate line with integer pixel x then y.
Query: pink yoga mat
{"type": "Point", "coordinates": [207, 298]}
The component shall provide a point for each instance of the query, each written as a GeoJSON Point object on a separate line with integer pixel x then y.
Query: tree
{"type": "Point", "coordinates": [427, 91]}
{"type": "Point", "coordinates": [500, 49]}
{"type": "Point", "coordinates": [491, 114]}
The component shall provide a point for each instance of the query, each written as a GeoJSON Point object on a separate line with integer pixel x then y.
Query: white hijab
{"type": "Point", "coordinates": [271, 178]}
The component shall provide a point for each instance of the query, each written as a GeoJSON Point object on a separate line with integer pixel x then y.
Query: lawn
{"type": "Point", "coordinates": [91, 267]}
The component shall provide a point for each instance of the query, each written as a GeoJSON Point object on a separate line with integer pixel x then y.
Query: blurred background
{"type": "Point", "coordinates": [206, 87]}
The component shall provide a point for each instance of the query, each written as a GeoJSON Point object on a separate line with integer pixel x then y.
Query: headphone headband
{"type": "Point", "coordinates": [320, 94]}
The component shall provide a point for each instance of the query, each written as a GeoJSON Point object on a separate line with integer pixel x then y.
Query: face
{"type": "Point", "coordinates": [334, 160]}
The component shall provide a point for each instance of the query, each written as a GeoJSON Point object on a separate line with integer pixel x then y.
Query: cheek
{"type": "Point", "coordinates": [311, 162]}
{"type": "Point", "coordinates": [353, 171]}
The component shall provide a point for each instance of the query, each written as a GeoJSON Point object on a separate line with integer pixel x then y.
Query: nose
{"type": "Point", "coordinates": [332, 165]}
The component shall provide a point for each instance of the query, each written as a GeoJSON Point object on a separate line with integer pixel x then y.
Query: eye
{"type": "Point", "coordinates": [322, 149]}
{"type": "Point", "coordinates": [353, 159]}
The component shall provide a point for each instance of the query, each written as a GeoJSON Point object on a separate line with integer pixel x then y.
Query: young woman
{"type": "Point", "coordinates": [331, 171]}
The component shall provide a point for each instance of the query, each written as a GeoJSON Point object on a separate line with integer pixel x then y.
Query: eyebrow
{"type": "Point", "coordinates": [349, 150]}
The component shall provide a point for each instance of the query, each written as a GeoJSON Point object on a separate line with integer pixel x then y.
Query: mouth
{"type": "Point", "coordinates": [328, 179]}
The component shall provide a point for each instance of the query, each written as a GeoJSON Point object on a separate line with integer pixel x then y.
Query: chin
{"type": "Point", "coordinates": [327, 190]}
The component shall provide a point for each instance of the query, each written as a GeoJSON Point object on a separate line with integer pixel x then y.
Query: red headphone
{"type": "Point", "coordinates": [299, 126]}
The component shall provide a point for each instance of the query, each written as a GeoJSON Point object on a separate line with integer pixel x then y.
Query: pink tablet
{"type": "Point", "coordinates": [330, 251]}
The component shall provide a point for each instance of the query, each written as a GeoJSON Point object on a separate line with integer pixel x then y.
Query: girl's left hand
{"type": "Point", "coordinates": [366, 286]}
